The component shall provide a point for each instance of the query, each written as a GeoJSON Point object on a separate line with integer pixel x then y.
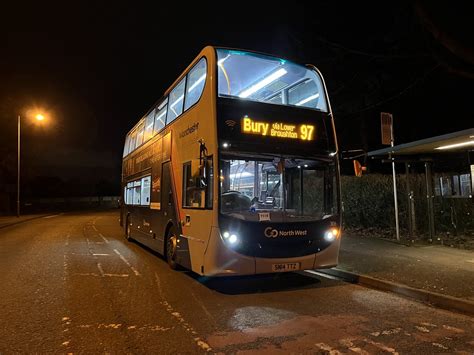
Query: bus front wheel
{"type": "Point", "coordinates": [171, 248]}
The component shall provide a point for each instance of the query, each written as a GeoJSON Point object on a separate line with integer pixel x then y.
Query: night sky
{"type": "Point", "coordinates": [97, 67]}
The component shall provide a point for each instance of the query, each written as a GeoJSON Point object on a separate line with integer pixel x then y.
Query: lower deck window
{"type": "Point", "coordinates": [197, 184]}
{"type": "Point", "coordinates": [137, 192]}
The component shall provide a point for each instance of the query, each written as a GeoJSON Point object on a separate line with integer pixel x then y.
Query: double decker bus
{"type": "Point", "coordinates": [234, 170]}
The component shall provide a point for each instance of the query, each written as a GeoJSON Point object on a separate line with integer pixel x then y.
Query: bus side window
{"type": "Point", "coordinates": [160, 116]}
{"type": "Point", "coordinates": [195, 85]}
{"type": "Point", "coordinates": [150, 119]}
{"type": "Point", "coordinates": [193, 188]}
{"type": "Point", "coordinates": [145, 191]}
{"type": "Point", "coordinates": [176, 100]}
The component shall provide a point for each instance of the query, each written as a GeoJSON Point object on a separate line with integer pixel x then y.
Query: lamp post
{"type": "Point", "coordinates": [18, 173]}
{"type": "Point", "coordinates": [38, 117]}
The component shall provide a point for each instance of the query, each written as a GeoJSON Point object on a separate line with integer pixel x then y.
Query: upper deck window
{"type": "Point", "coordinates": [160, 116]}
{"type": "Point", "coordinates": [140, 132]}
{"type": "Point", "coordinates": [176, 99]}
{"type": "Point", "coordinates": [268, 79]}
{"type": "Point", "coordinates": [149, 121]}
{"type": "Point", "coordinates": [196, 81]}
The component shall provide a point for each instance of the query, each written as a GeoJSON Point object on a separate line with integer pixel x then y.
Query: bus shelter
{"type": "Point", "coordinates": [447, 163]}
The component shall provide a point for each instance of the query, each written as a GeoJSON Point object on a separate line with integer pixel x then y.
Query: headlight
{"type": "Point", "coordinates": [230, 238]}
{"type": "Point", "coordinates": [331, 234]}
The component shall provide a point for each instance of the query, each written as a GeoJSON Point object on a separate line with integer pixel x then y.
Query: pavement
{"type": "Point", "coordinates": [437, 274]}
{"type": "Point", "coordinates": [6, 221]}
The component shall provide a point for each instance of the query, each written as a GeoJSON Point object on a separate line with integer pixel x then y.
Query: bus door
{"type": "Point", "coordinates": [167, 202]}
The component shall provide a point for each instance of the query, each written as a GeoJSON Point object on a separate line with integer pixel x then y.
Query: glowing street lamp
{"type": "Point", "coordinates": [38, 117]}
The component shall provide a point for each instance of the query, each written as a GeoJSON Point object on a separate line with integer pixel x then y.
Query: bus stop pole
{"type": "Point", "coordinates": [397, 227]}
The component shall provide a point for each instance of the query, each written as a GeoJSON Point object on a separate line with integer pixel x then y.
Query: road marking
{"type": "Point", "coordinates": [199, 342]}
{"type": "Point", "coordinates": [111, 325]}
{"type": "Point", "coordinates": [94, 228]}
{"type": "Point", "coordinates": [104, 238]}
{"type": "Point", "coordinates": [100, 269]}
{"type": "Point", "coordinates": [101, 254]}
{"type": "Point", "coordinates": [453, 329]}
{"type": "Point", "coordinates": [65, 267]}
{"type": "Point", "coordinates": [66, 321]}
{"type": "Point", "coordinates": [54, 215]}
{"type": "Point", "coordinates": [422, 329]}
{"type": "Point", "coordinates": [67, 239]}
{"type": "Point", "coordinates": [387, 332]}
{"type": "Point", "coordinates": [381, 346]}
{"type": "Point", "coordinates": [119, 326]}
{"type": "Point", "coordinates": [440, 346]}
{"type": "Point", "coordinates": [126, 262]}
{"type": "Point", "coordinates": [350, 345]}
{"type": "Point", "coordinates": [97, 275]}
{"type": "Point", "coordinates": [327, 348]}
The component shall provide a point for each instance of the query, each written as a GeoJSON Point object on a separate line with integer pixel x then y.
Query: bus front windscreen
{"type": "Point", "coordinates": [263, 78]}
{"type": "Point", "coordinates": [279, 189]}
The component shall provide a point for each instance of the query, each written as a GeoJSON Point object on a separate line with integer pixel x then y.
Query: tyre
{"type": "Point", "coordinates": [128, 230]}
{"type": "Point", "coordinates": [171, 248]}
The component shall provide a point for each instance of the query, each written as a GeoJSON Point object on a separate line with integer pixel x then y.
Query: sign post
{"type": "Point", "coordinates": [388, 139]}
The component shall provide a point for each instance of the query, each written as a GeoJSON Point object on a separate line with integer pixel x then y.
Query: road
{"type": "Point", "coordinates": [70, 283]}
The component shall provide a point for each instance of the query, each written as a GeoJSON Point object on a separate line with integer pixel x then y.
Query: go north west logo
{"type": "Point", "coordinates": [273, 233]}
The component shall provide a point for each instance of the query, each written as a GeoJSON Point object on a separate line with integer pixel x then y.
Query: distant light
{"type": "Point", "coordinates": [310, 98]}
{"type": "Point", "coordinates": [333, 154]}
{"type": "Point", "coordinates": [226, 235]}
{"type": "Point", "coordinates": [197, 83]}
{"type": "Point", "coordinates": [306, 165]}
{"type": "Point", "coordinates": [269, 79]}
{"type": "Point", "coordinates": [457, 145]}
{"type": "Point", "coordinates": [39, 117]}
{"type": "Point", "coordinates": [299, 166]}
{"type": "Point", "coordinates": [225, 145]}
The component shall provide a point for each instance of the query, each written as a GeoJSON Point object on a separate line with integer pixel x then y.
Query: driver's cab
{"type": "Point", "coordinates": [250, 185]}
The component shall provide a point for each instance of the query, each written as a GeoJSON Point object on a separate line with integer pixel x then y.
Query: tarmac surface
{"type": "Point", "coordinates": [71, 283]}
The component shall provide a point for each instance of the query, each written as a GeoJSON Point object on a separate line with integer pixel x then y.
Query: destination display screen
{"type": "Point", "coordinates": [305, 132]}
{"type": "Point", "coordinates": [247, 126]}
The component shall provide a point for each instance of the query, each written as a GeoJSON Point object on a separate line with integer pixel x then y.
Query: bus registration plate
{"type": "Point", "coordinates": [285, 267]}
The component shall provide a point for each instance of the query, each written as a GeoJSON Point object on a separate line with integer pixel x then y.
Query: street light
{"type": "Point", "coordinates": [38, 117]}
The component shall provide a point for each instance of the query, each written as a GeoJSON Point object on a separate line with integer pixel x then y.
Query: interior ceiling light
{"type": "Point", "coordinates": [261, 84]}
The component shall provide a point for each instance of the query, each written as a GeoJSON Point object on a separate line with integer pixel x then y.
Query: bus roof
{"type": "Point", "coordinates": [208, 51]}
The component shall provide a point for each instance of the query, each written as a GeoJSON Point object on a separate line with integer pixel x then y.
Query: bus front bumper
{"type": "Point", "coordinates": [221, 260]}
